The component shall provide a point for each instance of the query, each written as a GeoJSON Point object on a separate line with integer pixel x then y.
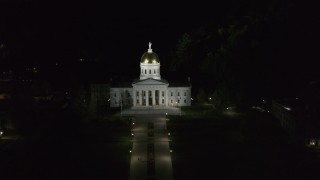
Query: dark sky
{"type": "Point", "coordinates": [117, 27]}
{"type": "Point", "coordinates": [45, 32]}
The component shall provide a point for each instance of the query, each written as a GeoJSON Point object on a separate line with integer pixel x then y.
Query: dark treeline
{"type": "Point", "coordinates": [252, 53]}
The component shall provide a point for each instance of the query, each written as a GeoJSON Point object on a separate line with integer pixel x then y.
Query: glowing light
{"type": "Point", "coordinates": [130, 151]}
{"type": "Point", "coordinates": [287, 108]}
{"type": "Point", "coordinates": [168, 134]}
{"type": "Point", "coordinates": [209, 98]}
{"type": "Point", "coordinates": [132, 134]}
{"type": "Point", "coordinates": [166, 113]}
{"type": "Point", "coordinates": [170, 150]}
{"type": "Point", "coordinates": [133, 123]}
{"type": "Point", "coordinates": [108, 99]}
{"type": "Point", "coordinates": [1, 132]}
{"type": "Point", "coordinates": [146, 61]}
{"type": "Point", "coordinates": [154, 61]}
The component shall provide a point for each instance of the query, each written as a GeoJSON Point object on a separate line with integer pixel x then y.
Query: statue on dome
{"type": "Point", "coordinates": [150, 45]}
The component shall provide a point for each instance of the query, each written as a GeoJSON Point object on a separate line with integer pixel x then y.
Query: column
{"type": "Point", "coordinates": [160, 96]}
{"type": "Point", "coordinates": [140, 98]}
{"type": "Point", "coordinates": [134, 98]}
{"type": "Point", "coordinates": [147, 97]}
{"type": "Point", "coordinates": [153, 97]}
{"type": "Point", "coordinates": [166, 97]}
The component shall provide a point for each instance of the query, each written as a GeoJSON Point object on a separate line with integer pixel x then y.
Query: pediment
{"type": "Point", "coordinates": [150, 82]}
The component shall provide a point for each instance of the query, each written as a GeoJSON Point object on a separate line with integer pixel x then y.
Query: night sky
{"type": "Point", "coordinates": [113, 33]}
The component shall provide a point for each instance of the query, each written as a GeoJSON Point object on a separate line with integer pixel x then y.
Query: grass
{"type": "Point", "coordinates": [95, 150]}
{"type": "Point", "coordinates": [251, 146]}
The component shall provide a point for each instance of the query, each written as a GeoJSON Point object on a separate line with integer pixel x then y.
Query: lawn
{"type": "Point", "coordinates": [95, 150]}
{"type": "Point", "coordinates": [250, 146]}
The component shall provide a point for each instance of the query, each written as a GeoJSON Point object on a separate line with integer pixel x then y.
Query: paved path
{"type": "Point", "coordinates": [151, 157]}
{"type": "Point", "coordinates": [154, 111]}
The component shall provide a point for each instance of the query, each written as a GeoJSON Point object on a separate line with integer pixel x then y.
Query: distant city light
{"type": "Point", "coordinates": [287, 108]}
{"type": "Point", "coordinates": [81, 59]}
{"type": "Point", "coordinates": [133, 123]}
{"type": "Point", "coordinates": [130, 151]}
{"type": "Point", "coordinates": [297, 98]}
{"type": "Point", "coordinates": [1, 132]}
{"type": "Point", "coordinates": [166, 113]}
{"type": "Point", "coordinates": [170, 150]}
{"type": "Point", "coordinates": [209, 98]}
{"type": "Point", "coordinates": [169, 134]}
{"type": "Point", "coordinates": [312, 142]}
{"type": "Point", "coordinates": [132, 134]}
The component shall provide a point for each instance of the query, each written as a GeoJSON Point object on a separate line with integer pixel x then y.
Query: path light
{"type": "Point", "coordinates": [168, 134]}
{"type": "Point", "coordinates": [131, 134]}
{"type": "Point", "coordinates": [1, 132]}
{"type": "Point", "coordinates": [130, 151]}
{"type": "Point", "coordinates": [170, 150]}
{"type": "Point", "coordinates": [133, 123]}
{"type": "Point", "coordinates": [166, 113]}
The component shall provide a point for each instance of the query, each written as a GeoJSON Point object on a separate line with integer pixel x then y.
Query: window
{"type": "Point", "coordinates": [178, 101]}
{"type": "Point", "coordinates": [171, 93]}
{"type": "Point", "coordinates": [162, 101]}
{"type": "Point", "coordinates": [154, 71]}
{"type": "Point", "coordinates": [137, 101]}
{"type": "Point", "coordinates": [185, 93]}
{"type": "Point", "coordinates": [185, 101]}
{"type": "Point", "coordinates": [171, 101]}
{"type": "Point", "coordinates": [178, 94]}
{"type": "Point", "coordinates": [137, 93]}
{"type": "Point", "coordinates": [145, 71]}
{"type": "Point", "coordinates": [115, 94]}
{"type": "Point", "coordinates": [162, 93]}
{"type": "Point", "coordinates": [149, 71]}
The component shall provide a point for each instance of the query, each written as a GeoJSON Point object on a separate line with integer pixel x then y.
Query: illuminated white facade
{"type": "Point", "coordinates": [150, 90]}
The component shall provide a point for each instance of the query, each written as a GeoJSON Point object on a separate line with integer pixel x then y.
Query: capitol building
{"type": "Point", "coordinates": [150, 89]}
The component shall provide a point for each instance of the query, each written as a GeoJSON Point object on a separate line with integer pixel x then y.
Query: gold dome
{"type": "Point", "coordinates": [149, 57]}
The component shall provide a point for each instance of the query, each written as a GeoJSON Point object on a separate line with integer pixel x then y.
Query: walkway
{"type": "Point", "coordinates": [152, 110]}
{"type": "Point", "coordinates": [151, 157]}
